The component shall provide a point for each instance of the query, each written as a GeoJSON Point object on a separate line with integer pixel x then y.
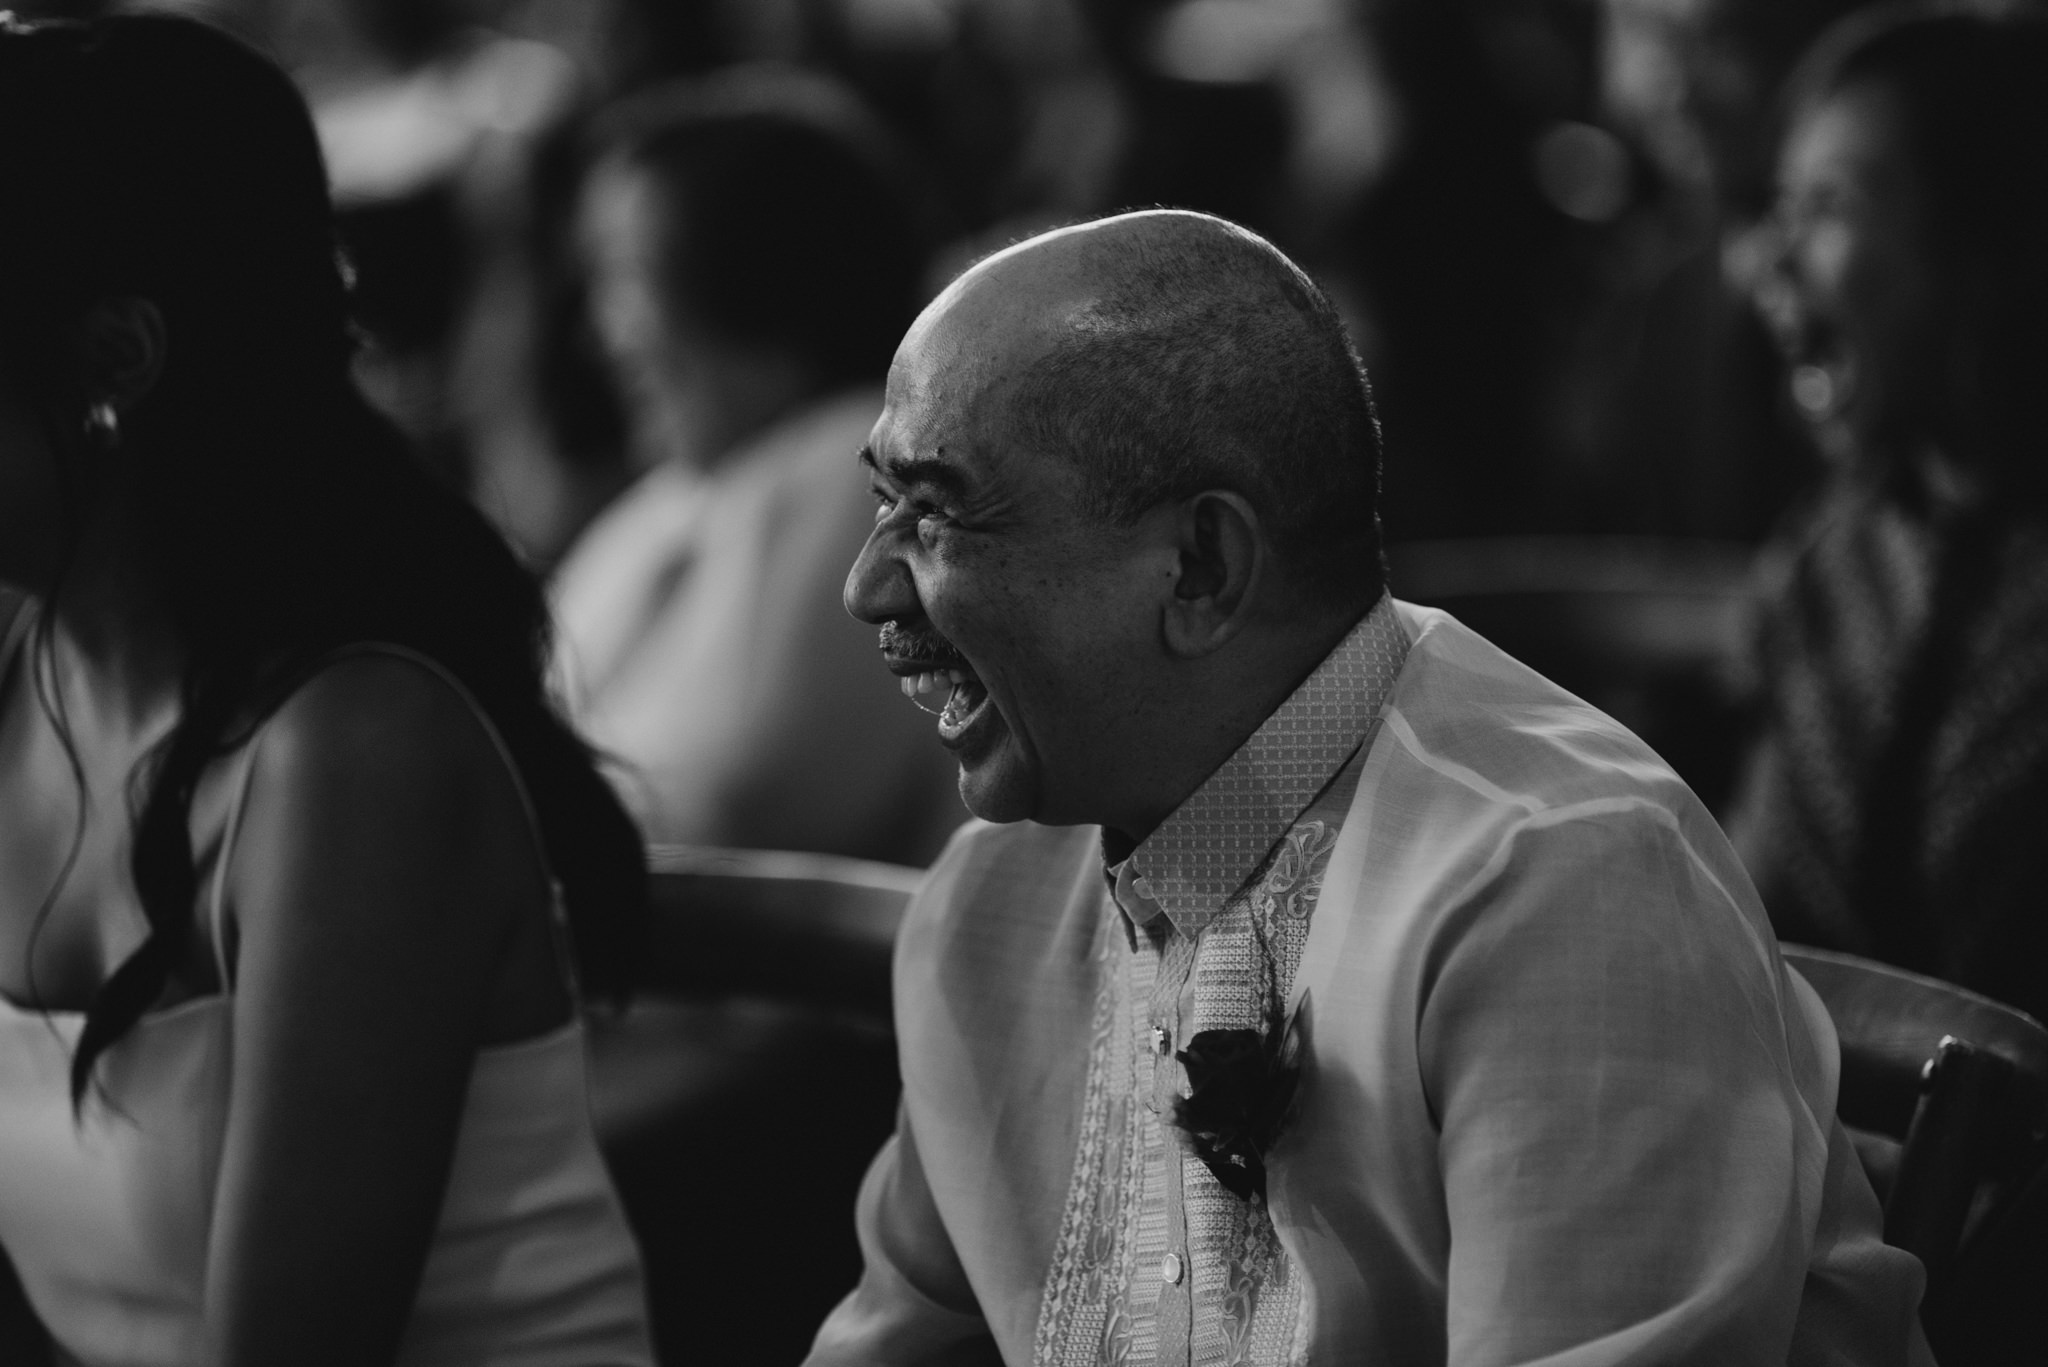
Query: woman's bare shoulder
{"type": "Point", "coordinates": [381, 812]}
{"type": "Point", "coordinates": [380, 707]}
{"type": "Point", "coordinates": [383, 740]}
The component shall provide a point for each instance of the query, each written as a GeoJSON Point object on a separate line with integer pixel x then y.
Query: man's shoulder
{"type": "Point", "coordinates": [1491, 785]}
{"type": "Point", "coordinates": [1465, 716]}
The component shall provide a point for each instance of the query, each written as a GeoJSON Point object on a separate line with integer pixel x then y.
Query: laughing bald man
{"type": "Point", "coordinates": [1319, 985]}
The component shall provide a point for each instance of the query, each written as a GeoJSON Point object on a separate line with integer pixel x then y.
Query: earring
{"type": "Point", "coordinates": [103, 425]}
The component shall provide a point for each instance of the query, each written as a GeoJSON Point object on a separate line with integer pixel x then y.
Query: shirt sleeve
{"type": "Point", "coordinates": [1631, 1172]}
{"type": "Point", "coordinates": [913, 1306]}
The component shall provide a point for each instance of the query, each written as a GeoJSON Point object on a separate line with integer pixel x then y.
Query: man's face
{"type": "Point", "coordinates": [1040, 622]}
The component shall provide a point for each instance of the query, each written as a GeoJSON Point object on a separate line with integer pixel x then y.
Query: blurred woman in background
{"type": "Point", "coordinates": [1897, 806]}
{"type": "Point", "coordinates": [290, 1062]}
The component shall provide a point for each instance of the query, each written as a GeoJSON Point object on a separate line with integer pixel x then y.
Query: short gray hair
{"type": "Point", "coordinates": [1208, 360]}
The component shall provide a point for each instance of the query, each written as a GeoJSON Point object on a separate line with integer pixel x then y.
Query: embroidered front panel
{"type": "Point", "coordinates": [1103, 1292]}
{"type": "Point", "coordinates": [1248, 1303]}
{"type": "Point", "coordinates": [1156, 1261]}
{"type": "Point", "coordinates": [1093, 1310]}
{"type": "Point", "coordinates": [1083, 1302]}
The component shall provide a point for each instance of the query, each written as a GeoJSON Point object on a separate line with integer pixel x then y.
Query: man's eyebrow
{"type": "Point", "coordinates": [929, 471]}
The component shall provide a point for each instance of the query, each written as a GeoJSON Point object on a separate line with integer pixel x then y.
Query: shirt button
{"type": "Point", "coordinates": [1162, 1042]}
{"type": "Point", "coordinates": [1141, 887]}
{"type": "Point", "coordinates": [1170, 1269]}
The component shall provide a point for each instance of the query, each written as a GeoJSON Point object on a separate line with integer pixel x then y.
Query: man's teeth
{"type": "Point", "coordinates": [954, 713]}
{"type": "Point", "coordinates": [930, 681]}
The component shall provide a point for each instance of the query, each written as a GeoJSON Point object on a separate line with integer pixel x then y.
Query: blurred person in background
{"type": "Point", "coordinates": [753, 250]}
{"type": "Point", "coordinates": [1470, 272]}
{"type": "Point", "coordinates": [1002, 104]}
{"type": "Point", "coordinates": [291, 1065]}
{"type": "Point", "coordinates": [422, 109]}
{"type": "Point", "coordinates": [542, 426]}
{"type": "Point", "coordinates": [1687, 429]}
{"type": "Point", "coordinates": [1896, 805]}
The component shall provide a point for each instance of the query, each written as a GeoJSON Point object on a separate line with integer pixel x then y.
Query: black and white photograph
{"type": "Point", "coordinates": [1023, 683]}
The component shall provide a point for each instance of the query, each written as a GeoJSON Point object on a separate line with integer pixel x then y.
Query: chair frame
{"type": "Point", "coordinates": [814, 928]}
{"type": "Point", "coordinates": [1961, 1082]}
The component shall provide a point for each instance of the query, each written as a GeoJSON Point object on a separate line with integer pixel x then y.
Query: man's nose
{"type": "Point", "coordinates": [879, 587]}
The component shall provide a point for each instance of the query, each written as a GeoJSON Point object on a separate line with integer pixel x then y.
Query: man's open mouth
{"type": "Point", "coordinates": [933, 672]}
{"type": "Point", "coordinates": [962, 695]}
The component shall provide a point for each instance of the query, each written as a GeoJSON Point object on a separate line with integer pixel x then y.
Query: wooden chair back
{"type": "Point", "coordinates": [1946, 1094]}
{"type": "Point", "coordinates": [741, 1096]}
{"type": "Point", "coordinates": [811, 928]}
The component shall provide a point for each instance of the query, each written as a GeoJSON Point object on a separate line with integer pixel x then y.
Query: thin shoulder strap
{"type": "Point", "coordinates": [15, 621]}
{"type": "Point", "coordinates": [558, 927]}
{"type": "Point", "coordinates": [217, 921]}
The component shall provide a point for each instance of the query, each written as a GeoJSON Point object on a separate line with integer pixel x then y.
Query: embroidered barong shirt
{"type": "Point", "coordinates": [1560, 1100]}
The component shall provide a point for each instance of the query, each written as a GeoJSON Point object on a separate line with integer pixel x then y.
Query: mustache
{"type": "Point", "coordinates": [920, 643]}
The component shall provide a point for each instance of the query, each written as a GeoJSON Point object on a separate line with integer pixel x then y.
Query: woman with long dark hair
{"type": "Point", "coordinates": [290, 1067]}
{"type": "Point", "coordinates": [1902, 792]}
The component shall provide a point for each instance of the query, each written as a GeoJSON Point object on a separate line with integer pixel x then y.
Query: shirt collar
{"type": "Point", "coordinates": [1215, 840]}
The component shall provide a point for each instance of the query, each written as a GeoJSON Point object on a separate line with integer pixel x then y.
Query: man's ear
{"type": "Point", "coordinates": [121, 343]}
{"type": "Point", "coordinates": [1223, 558]}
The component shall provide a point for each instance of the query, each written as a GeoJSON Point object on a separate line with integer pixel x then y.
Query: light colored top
{"type": "Point", "coordinates": [701, 641]}
{"type": "Point", "coordinates": [1561, 1101]}
{"type": "Point", "coordinates": [106, 1216]}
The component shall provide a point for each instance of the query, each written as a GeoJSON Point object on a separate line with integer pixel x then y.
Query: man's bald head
{"type": "Point", "coordinates": [1168, 352]}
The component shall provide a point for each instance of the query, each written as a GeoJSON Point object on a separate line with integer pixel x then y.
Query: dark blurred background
{"type": "Point", "coordinates": [1524, 207]}
{"type": "Point", "coordinates": [1522, 204]}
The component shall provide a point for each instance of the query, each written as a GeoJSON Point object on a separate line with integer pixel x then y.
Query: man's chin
{"type": "Point", "coordinates": [995, 787]}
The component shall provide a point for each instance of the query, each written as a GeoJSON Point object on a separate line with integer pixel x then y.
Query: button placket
{"type": "Point", "coordinates": [1163, 1035]}
{"type": "Point", "coordinates": [1209, 843]}
{"type": "Point", "coordinates": [1169, 1012]}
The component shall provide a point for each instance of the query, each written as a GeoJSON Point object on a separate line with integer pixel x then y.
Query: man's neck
{"type": "Point", "coordinates": [1227, 704]}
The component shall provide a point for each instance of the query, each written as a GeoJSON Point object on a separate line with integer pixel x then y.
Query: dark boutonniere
{"type": "Point", "coordinates": [1241, 1087]}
